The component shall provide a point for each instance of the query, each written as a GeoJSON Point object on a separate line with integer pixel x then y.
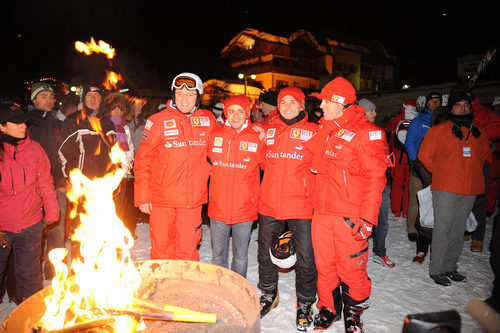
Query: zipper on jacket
{"type": "Point", "coordinates": [231, 184]}
{"type": "Point", "coordinates": [345, 179]}
{"type": "Point", "coordinates": [12, 180]}
{"type": "Point", "coordinates": [188, 147]}
{"type": "Point", "coordinates": [305, 187]}
{"type": "Point", "coordinates": [228, 149]}
{"type": "Point", "coordinates": [24, 174]}
{"type": "Point", "coordinates": [282, 167]}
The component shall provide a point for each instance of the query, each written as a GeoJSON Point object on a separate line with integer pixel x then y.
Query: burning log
{"type": "Point", "coordinates": [180, 314]}
{"type": "Point", "coordinates": [80, 327]}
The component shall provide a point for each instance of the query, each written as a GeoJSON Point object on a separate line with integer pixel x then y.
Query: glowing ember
{"type": "Point", "coordinates": [112, 80]}
{"type": "Point", "coordinates": [105, 276]}
{"type": "Point", "coordinates": [92, 47]}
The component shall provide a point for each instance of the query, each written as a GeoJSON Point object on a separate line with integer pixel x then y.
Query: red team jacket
{"type": "Point", "coordinates": [486, 118]}
{"type": "Point", "coordinates": [25, 186]}
{"type": "Point", "coordinates": [288, 182]}
{"type": "Point", "coordinates": [350, 161]}
{"type": "Point", "coordinates": [171, 169]}
{"type": "Point", "coordinates": [235, 178]}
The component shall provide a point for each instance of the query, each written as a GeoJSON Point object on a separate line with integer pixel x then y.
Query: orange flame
{"type": "Point", "coordinates": [92, 47]}
{"type": "Point", "coordinates": [112, 80]}
{"type": "Point", "coordinates": [137, 101]}
{"type": "Point", "coordinates": [105, 276]}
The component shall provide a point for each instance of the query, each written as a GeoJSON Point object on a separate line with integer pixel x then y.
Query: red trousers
{"type": "Point", "coordinates": [399, 186]}
{"type": "Point", "coordinates": [340, 260]}
{"type": "Point", "coordinates": [175, 233]}
{"type": "Point", "coordinates": [493, 185]}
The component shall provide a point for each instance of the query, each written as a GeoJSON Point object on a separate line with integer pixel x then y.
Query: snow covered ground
{"type": "Point", "coordinates": [397, 292]}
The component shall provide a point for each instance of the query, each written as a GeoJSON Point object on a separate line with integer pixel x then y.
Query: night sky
{"type": "Point", "coordinates": [167, 38]}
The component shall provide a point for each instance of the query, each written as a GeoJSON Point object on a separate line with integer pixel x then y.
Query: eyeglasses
{"type": "Point", "coordinates": [181, 81]}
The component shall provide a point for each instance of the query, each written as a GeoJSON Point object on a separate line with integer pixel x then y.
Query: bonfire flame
{"type": "Point", "coordinates": [137, 101]}
{"type": "Point", "coordinates": [92, 47]}
{"type": "Point", "coordinates": [105, 276]}
{"type": "Point", "coordinates": [112, 80]}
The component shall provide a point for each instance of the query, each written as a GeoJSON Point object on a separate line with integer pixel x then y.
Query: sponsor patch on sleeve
{"type": "Point", "coordinates": [148, 125]}
{"type": "Point", "coordinates": [375, 135]}
{"type": "Point", "coordinates": [271, 132]}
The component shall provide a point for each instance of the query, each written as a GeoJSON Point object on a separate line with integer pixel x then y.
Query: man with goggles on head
{"type": "Point", "coordinates": [171, 171]}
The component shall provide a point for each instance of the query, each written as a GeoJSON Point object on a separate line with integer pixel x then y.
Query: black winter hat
{"type": "Point", "coordinates": [434, 94]}
{"type": "Point", "coordinates": [269, 97]}
{"type": "Point", "coordinates": [456, 97]}
{"type": "Point", "coordinates": [90, 88]}
{"type": "Point", "coordinates": [10, 112]}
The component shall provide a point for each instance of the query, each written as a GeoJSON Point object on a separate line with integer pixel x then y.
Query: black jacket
{"type": "Point", "coordinates": [44, 128]}
{"type": "Point", "coordinates": [83, 147]}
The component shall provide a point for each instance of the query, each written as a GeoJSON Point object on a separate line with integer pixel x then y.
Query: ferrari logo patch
{"type": "Point", "coordinates": [345, 134]}
{"type": "Point", "coordinates": [248, 146]}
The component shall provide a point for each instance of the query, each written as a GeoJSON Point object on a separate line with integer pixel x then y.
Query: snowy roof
{"type": "Point", "coordinates": [250, 33]}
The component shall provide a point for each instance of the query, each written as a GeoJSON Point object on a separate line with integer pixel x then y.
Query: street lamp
{"type": "Point", "coordinates": [242, 76]}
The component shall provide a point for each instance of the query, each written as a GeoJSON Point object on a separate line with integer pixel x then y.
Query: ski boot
{"type": "Point", "coordinates": [268, 301]}
{"type": "Point", "coordinates": [304, 315]}
{"type": "Point", "coordinates": [352, 317]}
{"type": "Point", "coordinates": [325, 318]}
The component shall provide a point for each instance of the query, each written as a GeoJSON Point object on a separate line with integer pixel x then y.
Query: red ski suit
{"type": "Point", "coordinates": [171, 172]}
{"type": "Point", "coordinates": [490, 121]}
{"type": "Point", "coordinates": [235, 178]}
{"type": "Point", "coordinates": [400, 173]}
{"type": "Point", "coordinates": [288, 182]}
{"type": "Point", "coordinates": [350, 161]}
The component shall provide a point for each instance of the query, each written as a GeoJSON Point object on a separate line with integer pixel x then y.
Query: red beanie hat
{"type": "Point", "coordinates": [338, 90]}
{"type": "Point", "coordinates": [410, 102]}
{"type": "Point", "coordinates": [241, 100]}
{"type": "Point", "coordinates": [295, 92]}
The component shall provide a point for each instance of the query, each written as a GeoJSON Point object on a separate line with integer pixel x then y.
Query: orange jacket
{"type": "Point", "coordinates": [287, 182]}
{"type": "Point", "coordinates": [171, 168]}
{"type": "Point", "coordinates": [235, 178]}
{"type": "Point", "coordinates": [350, 161]}
{"type": "Point", "coordinates": [456, 165]}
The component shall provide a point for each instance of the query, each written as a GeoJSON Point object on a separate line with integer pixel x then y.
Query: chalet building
{"type": "Point", "coordinates": [301, 60]}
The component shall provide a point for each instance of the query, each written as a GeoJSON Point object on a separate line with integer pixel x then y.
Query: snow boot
{"type": "Point", "coordinates": [325, 318]}
{"type": "Point", "coordinates": [456, 276]}
{"type": "Point", "coordinates": [304, 315]}
{"type": "Point", "coordinates": [441, 279]}
{"type": "Point", "coordinates": [268, 301]}
{"type": "Point", "coordinates": [352, 317]}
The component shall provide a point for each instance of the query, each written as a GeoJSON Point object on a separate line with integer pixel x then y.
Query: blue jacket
{"type": "Point", "coordinates": [416, 131]}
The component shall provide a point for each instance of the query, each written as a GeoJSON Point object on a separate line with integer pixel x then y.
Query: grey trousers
{"type": "Point", "coordinates": [451, 211]}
